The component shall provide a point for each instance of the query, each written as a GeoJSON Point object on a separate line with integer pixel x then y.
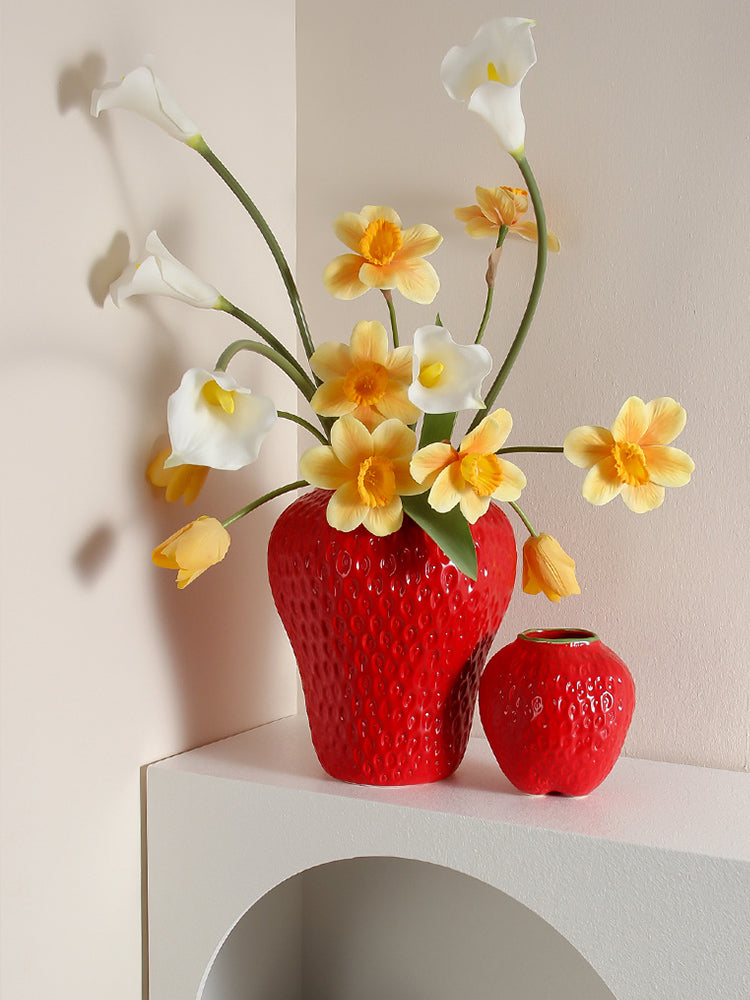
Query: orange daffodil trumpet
{"type": "Point", "coordinates": [143, 92]}
{"type": "Point", "coordinates": [384, 256]}
{"type": "Point", "coordinates": [364, 379]}
{"type": "Point", "coordinates": [488, 73]}
{"type": "Point", "coordinates": [369, 473]}
{"type": "Point", "coordinates": [633, 459]}
{"type": "Point", "coordinates": [193, 549]}
{"type": "Point", "coordinates": [497, 207]}
{"type": "Point", "coordinates": [447, 376]}
{"type": "Point", "coordinates": [472, 475]}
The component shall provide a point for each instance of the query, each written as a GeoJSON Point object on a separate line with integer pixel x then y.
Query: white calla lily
{"type": "Point", "coordinates": [447, 376]}
{"type": "Point", "coordinates": [214, 421]}
{"type": "Point", "coordinates": [488, 72]}
{"type": "Point", "coordinates": [143, 92]}
{"type": "Point", "coordinates": [157, 272]}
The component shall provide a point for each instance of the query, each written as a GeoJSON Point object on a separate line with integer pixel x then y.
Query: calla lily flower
{"type": "Point", "coordinates": [488, 72]}
{"type": "Point", "coordinates": [157, 272]}
{"type": "Point", "coordinates": [632, 460]}
{"type": "Point", "coordinates": [184, 481]}
{"type": "Point", "coordinates": [143, 92]}
{"type": "Point", "coordinates": [368, 471]}
{"type": "Point", "coordinates": [447, 376]}
{"type": "Point", "coordinates": [548, 569]}
{"type": "Point", "coordinates": [473, 475]}
{"type": "Point", "coordinates": [193, 549]}
{"type": "Point", "coordinates": [365, 378]}
{"type": "Point", "coordinates": [501, 206]}
{"type": "Point", "coordinates": [384, 256]}
{"type": "Point", "coordinates": [214, 421]}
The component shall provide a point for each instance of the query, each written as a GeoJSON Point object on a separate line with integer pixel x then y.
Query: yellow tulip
{"type": "Point", "coordinates": [184, 481]}
{"type": "Point", "coordinates": [193, 549]}
{"type": "Point", "coordinates": [548, 569]}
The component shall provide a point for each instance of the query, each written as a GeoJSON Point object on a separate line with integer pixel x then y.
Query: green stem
{"type": "Point", "coordinates": [264, 499]}
{"type": "Point", "coordinates": [388, 296]}
{"type": "Point", "coordinates": [228, 307]}
{"type": "Point", "coordinates": [525, 519]}
{"type": "Point", "coordinates": [535, 448]}
{"type": "Point", "coordinates": [304, 423]}
{"type": "Point", "coordinates": [490, 290]}
{"type": "Point", "coordinates": [273, 245]}
{"type": "Point", "coordinates": [536, 290]}
{"type": "Point", "coordinates": [300, 380]}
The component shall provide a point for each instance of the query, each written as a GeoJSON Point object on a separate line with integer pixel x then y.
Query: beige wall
{"type": "Point", "coordinates": [637, 129]}
{"type": "Point", "coordinates": [105, 667]}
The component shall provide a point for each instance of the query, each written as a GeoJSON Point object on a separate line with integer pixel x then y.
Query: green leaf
{"type": "Point", "coordinates": [436, 427]}
{"type": "Point", "coordinates": [449, 531]}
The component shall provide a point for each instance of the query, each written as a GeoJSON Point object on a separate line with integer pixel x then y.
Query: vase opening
{"type": "Point", "coordinates": [569, 636]}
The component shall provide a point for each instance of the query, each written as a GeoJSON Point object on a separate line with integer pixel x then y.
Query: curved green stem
{"type": "Point", "coordinates": [490, 290]}
{"type": "Point", "coordinates": [249, 205]}
{"type": "Point", "coordinates": [525, 519]}
{"type": "Point", "coordinates": [536, 290]}
{"type": "Point", "coordinates": [304, 423]}
{"type": "Point", "coordinates": [529, 447]}
{"type": "Point", "coordinates": [388, 296]}
{"type": "Point", "coordinates": [264, 499]}
{"type": "Point", "coordinates": [300, 380]}
{"type": "Point", "coordinates": [229, 307]}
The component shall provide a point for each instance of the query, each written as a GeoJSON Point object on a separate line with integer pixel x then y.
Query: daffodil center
{"type": "Point", "coordinates": [380, 242]}
{"type": "Point", "coordinates": [483, 473]}
{"type": "Point", "coordinates": [215, 395]}
{"type": "Point", "coordinates": [366, 383]}
{"type": "Point", "coordinates": [376, 482]}
{"type": "Point", "coordinates": [429, 374]}
{"type": "Point", "coordinates": [630, 463]}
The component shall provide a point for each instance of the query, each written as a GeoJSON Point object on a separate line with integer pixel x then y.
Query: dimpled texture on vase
{"type": "Point", "coordinates": [556, 705]}
{"type": "Point", "coordinates": [390, 638]}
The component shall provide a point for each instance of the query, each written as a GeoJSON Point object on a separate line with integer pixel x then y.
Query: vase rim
{"type": "Point", "coordinates": [560, 636]}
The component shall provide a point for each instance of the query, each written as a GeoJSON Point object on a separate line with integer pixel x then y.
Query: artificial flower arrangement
{"type": "Point", "coordinates": [386, 412]}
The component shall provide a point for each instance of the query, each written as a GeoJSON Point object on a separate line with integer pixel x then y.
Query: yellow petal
{"type": "Point", "coordinates": [468, 212]}
{"type": "Point", "coordinates": [512, 483]}
{"type": "Point", "coordinates": [393, 439]}
{"type": "Point", "coordinates": [345, 509]}
{"type": "Point", "coordinates": [587, 445]}
{"type": "Point", "coordinates": [548, 568]}
{"type": "Point", "coordinates": [396, 404]}
{"type": "Point", "coordinates": [496, 204]}
{"type": "Point", "coordinates": [385, 520]}
{"type": "Point", "coordinates": [320, 467]}
{"type": "Point", "coordinates": [373, 212]}
{"type": "Point", "coordinates": [351, 442]}
{"type": "Point", "coordinates": [378, 275]}
{"type": "Point", "coordinates": [473, 506]}
{"type": "Point", "coordinates": [350, 227]}
{"type": "Point", "coordinates": [369, 342]}
{"type": "Point", "coordinates": [419, 241]}
{"type": "Point", "coordinates": [643, 498]}
{"type": "Point", "coordinates": [447, 489]}
{"type": "Point", "coordinates": [601, 483]}
{"type": "Point", "coordinates": [666, 419]}
{"type": "Point", "coordinates": [631, 422]}
{"type": "Point", "coordinates": [406, 486]}
{"type": "Point", "coordinates": [489, 435]}
{"type": "Point", "coordinates": [331, 360]}
{"type": "Point", "coordinates": [329, 399]}
{"type": "Point", "coordinates": [431, 460]}
{"type": "Point", "coordinates": [480, 228]}
{"type": "Point", "coordinates": [341, 277]}
{"type": "Point", "coordinates": [399, 364]}
{"type": "Point", "coordinates": [668, 466]}
{"type": "Point", "coordinates": [417, 280]}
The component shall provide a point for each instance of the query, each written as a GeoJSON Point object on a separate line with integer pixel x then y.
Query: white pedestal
{"type": "Point", "coordinates": [648, 878]}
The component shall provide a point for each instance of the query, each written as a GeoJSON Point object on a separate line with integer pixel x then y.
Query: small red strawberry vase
{"type": "Point", "coordinates": [556, 705]}
{"type": "Point", "coordinates": [390, 638]}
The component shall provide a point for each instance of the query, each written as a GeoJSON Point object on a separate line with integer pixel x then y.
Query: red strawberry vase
{"type": "Point", "coordinates": [390, 638]}
{"type": "Point", "coordinates": [556, 705]}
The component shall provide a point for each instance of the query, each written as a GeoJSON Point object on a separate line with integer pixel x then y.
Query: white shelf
{"type": "Point", "coordinates": [648, 877]}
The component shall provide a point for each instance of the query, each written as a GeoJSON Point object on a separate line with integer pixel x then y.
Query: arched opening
{"type": "Point", "coordinates": [377, 927]}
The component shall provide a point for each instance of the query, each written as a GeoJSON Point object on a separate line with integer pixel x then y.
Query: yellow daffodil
{"type": "Point", "coordinates": [501, 206]}
{"type": "Point", "coordinates": [385, 256]}
{"type": "Point", "coordinates": [184, 481]}
{"type": "Point", "coordinates": [548, 569]}
{"type": "Point", "coordinates": [368, 471]}
{"type": "Point", "coordinates": [473, 475]}
{"type": "Point", "coordinates": [364, 379]}
{"type": "Point", "coordinates": [488, 73]}
{"type": "Point", "coordinates": [143, 92]}
{"type": "Point", "coordinates": [193, 549]}
{"type": "Point", "coordinates": [633, 459]}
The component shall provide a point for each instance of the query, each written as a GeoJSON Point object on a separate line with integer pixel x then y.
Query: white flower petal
{"type": "Point", "coordinates": [157, 272]}
{"type": "Point", "coordinates": [143, 92]}
{"type": "Point", "coordinates": [459, 385]}
{"type": "Point", "coordinates": [500, 107]}
{"type": "Point", "coordinates": [202, 433]}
